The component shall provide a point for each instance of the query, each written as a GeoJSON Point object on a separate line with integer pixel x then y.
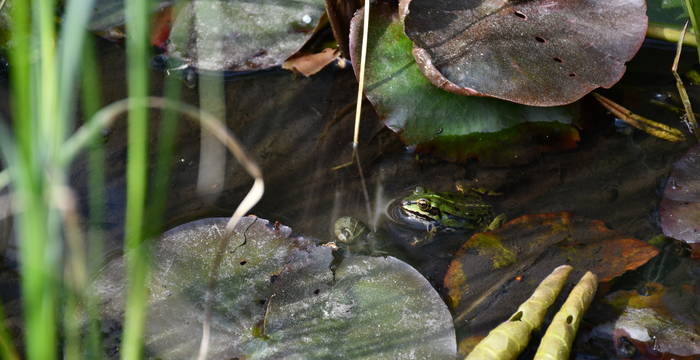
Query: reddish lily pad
{"type": "Point", "coordinates": [239, 35]}
{"type": "Point", "coordinates": [450, 126]}
{"type": "Point", "coordinates": [495, 271]}
{"type": "Point", "coordinates": [536, 52]}
{"type": "Point", "coordinates": [680, 206]}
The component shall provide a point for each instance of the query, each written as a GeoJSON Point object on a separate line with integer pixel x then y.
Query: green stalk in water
{"type": "Point", "coordinates": [136, 256]}
{"type": "Point", "coordinates": [693, 9]}
{"type": "Point", "coordinates": [38, 246]}
{"type": "Point", "coordinates": [91, 101]}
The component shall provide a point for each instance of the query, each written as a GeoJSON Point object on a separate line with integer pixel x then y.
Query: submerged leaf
{"type": "Point", "coordinates": [239, 35]}
{"type": "Point", "coordinates": [537, 52]}
{"type": "Point", "coordinates": [483, 280]}
{"type": "Point", "coordinates": [451, 126]}
{"type": "Point", "coordinates": [680, 206]}
{"type": "Point", "coordinates": [661, 322]}
{"type": "Point", "coordinates": [278, 298]}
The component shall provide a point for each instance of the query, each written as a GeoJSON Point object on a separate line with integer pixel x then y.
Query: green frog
{"type": "Point", "coordinates": [448, 211]}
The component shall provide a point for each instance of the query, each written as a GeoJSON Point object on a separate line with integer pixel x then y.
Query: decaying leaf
{"type": "Point", "coordinates": [309, 64]}
{"type": "Point", "coordinates": [494, 270]}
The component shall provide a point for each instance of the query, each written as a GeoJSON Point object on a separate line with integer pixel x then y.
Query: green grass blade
{"type": "Point", "coordinates": [20, 77]}
{"type": "Point", "coordinates": [37, 260]}
{"type": "Point", "coordinates": [91, 100]}
{"type": "Point", "coordinates": [693, 8]}
{"type": "Point", "coordinates": [166, 146]}
{"type": "Point", "coordinates": [137, 14]}
{"type": "Point", "coordinates": [7, 348]}
{"type": "Point", "coordinates": [77, 15]}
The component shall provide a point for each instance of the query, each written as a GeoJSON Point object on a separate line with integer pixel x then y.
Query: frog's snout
{"type": "Point", "coordinates": [405, 203]}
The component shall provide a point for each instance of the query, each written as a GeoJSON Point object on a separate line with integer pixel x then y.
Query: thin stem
{"type": "Point", "coordinates": [361, 86]}
{"type": "Point", "coordinates": [681, 88]}
{"type": "Point", "coordinates": [91, 101]}
{"type": "Point", "coordinates": [670, 33]}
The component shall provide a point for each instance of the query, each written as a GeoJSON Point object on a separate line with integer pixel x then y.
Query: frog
{"type": "Point", "coordinates": [465, 210]}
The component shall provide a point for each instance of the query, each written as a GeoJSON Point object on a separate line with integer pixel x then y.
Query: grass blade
{"type": "Point", "coordinates": [693, 8]}
{"type": "Point", "coordinates": [91, 101]}
{"type": "Point", "coordinates": [137, 14]}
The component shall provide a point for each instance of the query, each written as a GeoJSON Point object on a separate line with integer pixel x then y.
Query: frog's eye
{"type": "Point", "coordinates": [423, 204]}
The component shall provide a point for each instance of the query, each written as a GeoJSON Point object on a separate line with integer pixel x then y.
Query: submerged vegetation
{"type": "Point", "coordinates": [460, 85]}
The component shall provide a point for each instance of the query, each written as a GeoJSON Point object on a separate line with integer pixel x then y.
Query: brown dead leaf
{"type": "Point", "coordinates": [309, 64]}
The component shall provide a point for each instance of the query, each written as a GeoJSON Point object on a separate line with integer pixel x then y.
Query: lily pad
{"type": "Point", "coordinates": [536, 52]}
{"type": "Point", "coordinates": [109, 14]}
{"type": "Point", "coordinates": [451, 126]}
{"type": "Point", "coordinates": [278, 298]}
{"type": "Point", "coordinates": [379, 308]}
{"type": "Point", "coordinates": [495, 271]}
{"type": "Point", "coordinates": [680, 206]}
{"type": "Point", "coordinates": [238, 35]}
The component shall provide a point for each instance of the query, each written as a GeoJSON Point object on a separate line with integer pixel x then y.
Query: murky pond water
{"type": "Point", "coordinates": [299, 129]}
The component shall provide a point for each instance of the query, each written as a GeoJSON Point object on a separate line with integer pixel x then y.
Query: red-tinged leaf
{"type": "Point", "coordinates": [536, 52]}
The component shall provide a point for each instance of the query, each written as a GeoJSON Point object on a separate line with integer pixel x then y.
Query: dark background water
{"type": "Point", "coordinates": [300, 128]}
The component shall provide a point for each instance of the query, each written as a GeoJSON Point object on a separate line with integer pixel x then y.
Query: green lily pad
{"type": "Point", "coordinates": [422, 113]}
{"type": "Point", "coordinates": [278, 298]}
{"type": "Point", "coordinates": [379, 308]}
{"type": "Point", "coordinates": [239, 35]}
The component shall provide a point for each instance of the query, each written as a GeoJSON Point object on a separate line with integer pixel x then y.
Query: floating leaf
{"type": "Point", "coordinates": [537, 52]}
{"type": "Point", "coordinates": [378, 308]}
{"type": "Point", "coordinates": [240, 35]}
{"type": "Point", "coordinates": [495, 270]}
{"type": "Point", "coordinates": [452, 126]}
{"type": "Point", "coordinates": [278, 298]}
{"type": "Point", "coordinates": [680, 206]}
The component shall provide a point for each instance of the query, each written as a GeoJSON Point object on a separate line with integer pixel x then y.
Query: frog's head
{"type": "Point", "coordinates": [422, 205]}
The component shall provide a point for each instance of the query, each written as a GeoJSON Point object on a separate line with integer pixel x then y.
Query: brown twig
{"type": "Point", "coordinates": [690, 115]}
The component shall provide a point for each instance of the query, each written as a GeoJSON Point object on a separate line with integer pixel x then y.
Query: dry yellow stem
{"type": "Point", "coordinates": [556, 342]}
{"type": "Point", "coordinates": [509, 339]}
{"type": "Point", "coordinates": [649, 126]}
{"type": "Point", "coordinates": [681, 89]}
